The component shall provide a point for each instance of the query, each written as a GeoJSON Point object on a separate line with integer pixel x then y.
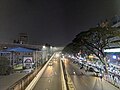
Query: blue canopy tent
{"type": "Point", "coordinates": [19, 49]}
{"type": "Point", "coordinates": [4, 52]}
{"type": "Point", "coordinates": [22, 56]}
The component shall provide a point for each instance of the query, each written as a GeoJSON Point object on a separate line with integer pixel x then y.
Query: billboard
{"type": "Point", "coordinates": [28, 62]}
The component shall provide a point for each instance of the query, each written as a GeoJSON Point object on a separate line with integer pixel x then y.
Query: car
{"type": "Point", "coordinates": [73, 72]}
{"type": "Point", "coordinates": [50, 63]}
{"type": "Point", "coordinates": [91, 69]}
{"type": "Point", "coordinates": [94, 70]}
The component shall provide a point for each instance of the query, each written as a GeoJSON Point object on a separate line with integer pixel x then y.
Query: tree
{"type": "Point", "coordinates": [5, 66]}
{"type": "Point", "coordinates": [95, 40]}
{"type": "Point", "coordinates": [71, 48]}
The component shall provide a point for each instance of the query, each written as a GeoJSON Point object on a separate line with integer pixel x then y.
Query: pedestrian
{"type": "Point", "coordinates": [101, 76]}
{"type": "Point", "coordinates": [113, 76]}
{"type": "Point", "coordinates": [86, 69]}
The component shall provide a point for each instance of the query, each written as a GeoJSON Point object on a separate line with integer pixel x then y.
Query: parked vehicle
{"type": "Point", "coordinates": [94, 70]}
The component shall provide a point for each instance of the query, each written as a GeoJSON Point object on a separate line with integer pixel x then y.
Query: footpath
{"type": "Point", "coordinates": [8, 80]}
{"type": "Point", "coordinates": [108, 79]}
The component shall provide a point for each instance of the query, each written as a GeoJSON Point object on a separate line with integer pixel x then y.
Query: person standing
{"type": "Point", "coordinates": [101, 76]}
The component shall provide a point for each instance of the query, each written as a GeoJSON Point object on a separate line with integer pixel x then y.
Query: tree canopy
{"type": "Point", "coordinates": [94, 41]}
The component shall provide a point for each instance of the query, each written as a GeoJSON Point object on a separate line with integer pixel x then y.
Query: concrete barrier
{"type": "Point", "coordinates": [37, 77]}
{"type": "Point", "coordinates": [63, 82]}
{"type": "Point", "coordinates": [70, 83]}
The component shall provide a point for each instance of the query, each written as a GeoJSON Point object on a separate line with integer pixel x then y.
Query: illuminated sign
{"type": "Point", "coordinates": [27, 60]}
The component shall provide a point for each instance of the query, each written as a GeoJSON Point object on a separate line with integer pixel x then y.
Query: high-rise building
{"type": "Point", "coordinates": [23, 38]}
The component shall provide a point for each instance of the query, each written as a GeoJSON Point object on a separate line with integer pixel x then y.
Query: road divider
{"type": "Point", "coordinates": [63, 81]}
{"type": "Point", "coordinates": [70, 83]}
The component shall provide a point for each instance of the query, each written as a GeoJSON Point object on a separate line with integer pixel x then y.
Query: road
{"type": "Point", "coordinates": [86, 81]}
{"type": "Point", "coordinates": [50, 80]}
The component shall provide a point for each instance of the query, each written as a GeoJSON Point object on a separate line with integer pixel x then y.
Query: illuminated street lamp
{"type": "Point", "coordinates": [114, 56]}
{"type": "Point", "coordinates": [44, 53]}
{"type": "Point", "coordinates": [44, 47]}
{"type": "Point", "coordinates": [57, 55]}
{"type": "Point", "coordinates": [51, 50]}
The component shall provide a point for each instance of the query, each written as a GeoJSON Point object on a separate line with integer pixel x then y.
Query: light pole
{"type": "Point", "coordinates": [51, 50]}
{"type": "Point", "coordinates": [43, 53]}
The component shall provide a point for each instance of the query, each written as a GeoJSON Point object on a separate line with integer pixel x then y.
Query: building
{"type": "Point", "coordinates": [23, 38]}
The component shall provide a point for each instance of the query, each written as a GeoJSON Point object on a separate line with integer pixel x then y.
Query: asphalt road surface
{"type": "Point", "coordinates": [85, 80]}
{"type": "Point", "coordinates": [50, 80]}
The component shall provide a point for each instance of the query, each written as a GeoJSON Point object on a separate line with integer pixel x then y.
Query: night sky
{"type": "Point", "coordinates": [52, 21]}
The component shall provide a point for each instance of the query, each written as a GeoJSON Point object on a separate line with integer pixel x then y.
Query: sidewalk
{"type": "Point", "coordinates": [115, 82]}
{"type": "Point", "coordinates": [104, 85]}
{"type": "Point", "coordinates": [8, 80]}
{"type": "Point", "coordinates": [108, 80]}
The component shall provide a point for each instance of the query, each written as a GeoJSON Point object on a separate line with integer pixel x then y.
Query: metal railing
{"type": "Point", "coordinates": [25, 81]}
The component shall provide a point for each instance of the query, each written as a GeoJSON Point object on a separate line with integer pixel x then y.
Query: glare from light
{"type": "Point", "coordinates": [57, 54]}
{"type": "Point", "coordinates": [43, 46]}
{"type": "Point", "coordinates": [91, 56]}
{"type": "Point", "coordinates": [112, 50]}
{"type": "Point", "coordinates": [114, 57]}
{"type": "Point", "coordinates": [51, 47]}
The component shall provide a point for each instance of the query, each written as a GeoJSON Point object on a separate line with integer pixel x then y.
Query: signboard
{"type": "Point", "coordinates": [28, 62]}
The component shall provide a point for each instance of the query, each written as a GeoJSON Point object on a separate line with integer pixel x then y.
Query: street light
{"type": "Point", "coordinates": [51, 50]}
{"type": "Point", "coordinates": [44, 47]}
{"type": "Point", "coordinates": [114, 56]}
{"type": "Point", "coordinates": [43, 53]}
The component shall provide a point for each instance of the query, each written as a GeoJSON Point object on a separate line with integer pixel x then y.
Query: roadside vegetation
{"type": "Point", "coordinates": [94, 41]}
{"type": "Point", "coordinates": [5, 68]}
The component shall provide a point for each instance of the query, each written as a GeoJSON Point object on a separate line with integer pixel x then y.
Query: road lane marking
{"type": "Point", "coordinates": [49, 80]}
{"type": "Point", "coordinates": [55, 73]}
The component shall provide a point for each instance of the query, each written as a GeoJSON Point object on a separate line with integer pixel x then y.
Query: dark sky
{"type": "Point", "coordinates": [52, 21]}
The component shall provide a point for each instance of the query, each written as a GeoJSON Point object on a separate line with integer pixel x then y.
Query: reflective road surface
{"type": "Point", "coordinates": [50, 79]}
{"type": "Point", "coordinates": [84, 80]}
